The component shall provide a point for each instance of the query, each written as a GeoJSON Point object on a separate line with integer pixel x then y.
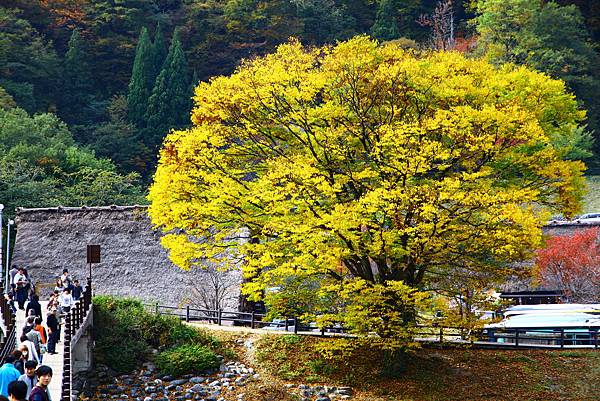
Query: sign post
{"type": "Point", "coordinates": [93, 256]}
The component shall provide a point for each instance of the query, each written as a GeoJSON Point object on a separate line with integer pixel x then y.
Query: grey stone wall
{"type": "Point", "coordinates": [133, 261]}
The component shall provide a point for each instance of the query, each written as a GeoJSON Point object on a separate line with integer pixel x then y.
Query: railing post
{"type": "Point", "coordinates": [286, 324]}
{"type": "Point", "coordinates": [441, 334]}
{"type": "Point", "coordinates": [517, 338]}
{"type": "Point", "coordinates": [252, 320]}
{"type": "Point", "coordinates": [66, 383]}
{"type": "Point", "coordinates": [187, 313]}
{"type": "Point", "coordinates": [295, 325]}
{"type": "Point", "coordinates": [562, 338]}
{"type": "Point", "coordinates": [595, 331]}
{"type": "Point", "coordinates": [156, 308]}
{"type": "Point", "coordinates": [220, 315]}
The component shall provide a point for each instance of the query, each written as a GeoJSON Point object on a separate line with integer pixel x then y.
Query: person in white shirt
{"type": "Point", "coordinates": [21, 282]}
{"type": "Point", "coordinates": [65, 301]}
{"type": "Point", "coordinates": [31, 352]}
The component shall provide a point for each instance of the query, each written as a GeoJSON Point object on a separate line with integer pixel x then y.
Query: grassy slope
{"type": "Point", "coordinates": [591, 202]}
{"type": "Point", "coordinates": [439, 374]}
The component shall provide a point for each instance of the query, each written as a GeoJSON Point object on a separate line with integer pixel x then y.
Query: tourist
{"type": "Point", "coordinates": [21, 285]}
{"type": "Point", "coordinates": [28, 286]}
{"type": "Point", "coordinates": [29, 323]}
{"type": "Point", "coordinates": [8, 373]}
{"type": "Point", "coordinates": [35, 337]}
{"type": "Point", "coordinates": [12, 273]}
{"type": "Point", "coordinates": [19, 364]}
{"type": "Point", "coordinates": [31, 351]}
{"type": "Point", "coordinates": [53, 330]}
{"type": "Point", "coordinates": [77, 290]}
{"type": "Point", "coordinates": [29, 376]}
{"type": "Point", "coordinates": [10, 298]}
{"type": "Point", "coordinates": [34, 305]}
{"type": "Point", "coordinates": [17, 391]}
{"type": "Point", "coordinates": [40, 391]}
{"type": "Point", "coordinates": [53, 301]}
{"type": "Point", "coordinates": [41, 329]}
{"type": "Point", "coordinates": [65, 301]}
{"type": "Point", "coordinates": [66, 279]}
{"type": "Point", "coordinates": [58, 286]}
{"type": "Point", "coordinates": [24, 357]}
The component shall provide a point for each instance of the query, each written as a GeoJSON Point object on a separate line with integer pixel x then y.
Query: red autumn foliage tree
{"type": "Point", "coordinates": [572, 264]}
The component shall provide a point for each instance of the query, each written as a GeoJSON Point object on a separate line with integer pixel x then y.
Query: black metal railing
{"type": "Point", "coordinates": [74, 321]}
{"type": "Point", "coordinates": [250, 319]}
{"type": "Point", "coordinates": [9, 341]}
{"type": "Point", "coordinates": [548, 337]}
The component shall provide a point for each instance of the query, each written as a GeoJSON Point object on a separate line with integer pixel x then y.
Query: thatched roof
{"type": "Point", "coordinates": [133, 261]}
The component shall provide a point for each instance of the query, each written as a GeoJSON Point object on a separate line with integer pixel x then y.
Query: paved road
{"type": "Point", "coordinates": [54, 361]}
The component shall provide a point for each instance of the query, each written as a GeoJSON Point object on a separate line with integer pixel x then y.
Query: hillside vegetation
{"type": "Point", "coordinates": [591, 201]}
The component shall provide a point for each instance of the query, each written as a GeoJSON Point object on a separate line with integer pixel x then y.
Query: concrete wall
{"type": "Point", "coordinates": [133, 261]}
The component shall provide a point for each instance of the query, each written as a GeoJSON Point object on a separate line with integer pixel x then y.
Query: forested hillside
{"type": "Point", "coordinates": [120, 73]}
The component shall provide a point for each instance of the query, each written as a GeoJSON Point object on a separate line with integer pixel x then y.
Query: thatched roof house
{"type": "Point", "coordinates": [133, 261]}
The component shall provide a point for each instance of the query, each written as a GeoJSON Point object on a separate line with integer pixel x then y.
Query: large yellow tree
{"type": "Point", "coordinates": [368, 169]}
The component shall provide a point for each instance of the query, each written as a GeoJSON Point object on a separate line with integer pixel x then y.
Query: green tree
{"type": "Point", "coordinates": [545, 36]}
{"type": "Point", "coordinates": [386, 22]}
{"type": "Point", "coordinates": [142, 80]}
{"type": "Point", "coordinates": [40, 165]}
{"type": "Point", "coordinates": [77, 82]}
{"type": "Point", "coordinates": [120, 140]}
{"type": "Point", "coordinates": [160, 51]}
{"type": "Point", "coordinates": [29, 66]}
{"type": "Point", "coordinates": [170, 102]}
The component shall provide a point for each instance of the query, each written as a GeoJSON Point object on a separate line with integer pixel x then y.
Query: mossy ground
{"type": "Point", "coordinates": [430, 374]}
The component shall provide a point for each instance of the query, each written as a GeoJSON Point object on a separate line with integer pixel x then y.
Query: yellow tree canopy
{"type": "Point", "coordinates": [369, 165]}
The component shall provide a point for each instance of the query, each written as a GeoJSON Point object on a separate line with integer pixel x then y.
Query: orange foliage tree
{"type": "Point", "coordinates": [572, 264]}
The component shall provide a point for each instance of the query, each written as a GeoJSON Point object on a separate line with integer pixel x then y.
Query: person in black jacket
{"type": "Point", "coordinates": [19, 363]}
{"type": "Point", "coordinates": [17, 391]}
{"type": "Point", "coordinates": [35, 306]}
{"type": "Point", "coordinates": [52, 324]}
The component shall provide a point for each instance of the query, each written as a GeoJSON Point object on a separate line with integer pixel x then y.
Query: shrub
{"type": "Point", "coordinates": [125, 331]}
{"type": "Point", "coordinates": [187, 358]}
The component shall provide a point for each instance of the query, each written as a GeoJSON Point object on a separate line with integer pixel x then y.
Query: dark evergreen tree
{"type": "Point", "coordinates": [77, 82]}
{"type": "Point", "coordinates": [386, 21]}
{"type": "Point", "coordinates": [160, 51]}
{"type": "Point", "coordinates": [142, 80]}
{"type": "Point", "coordinates": [170, 103]}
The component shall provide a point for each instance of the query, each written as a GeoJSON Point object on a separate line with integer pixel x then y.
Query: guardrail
{"type": "Point", "coordinates": [252, 319]}
{"type": "Point", "coordinates": [539, 337]}
{"type": "Point", "coordinates": [73, 324]}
